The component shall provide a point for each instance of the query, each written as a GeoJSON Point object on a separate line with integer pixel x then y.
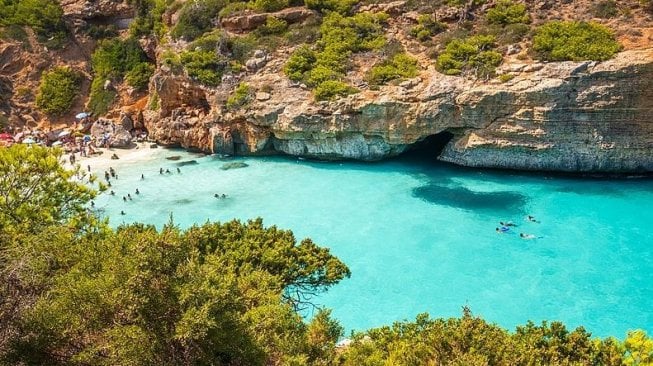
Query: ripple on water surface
{"type": "Point", "coordinates": [420, 236]}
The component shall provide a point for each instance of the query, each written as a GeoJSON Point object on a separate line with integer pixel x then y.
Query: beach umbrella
{"type": "Point", "coordinates": [63, 134]}
{"type": "Point", "coordinates": [29, 140]}
{"type": "Point", "coordinates": [6, 136]}
{"type": "Point", "coordinates": [81, 115]}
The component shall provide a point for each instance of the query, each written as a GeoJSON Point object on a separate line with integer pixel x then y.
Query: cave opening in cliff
{"type": "Point", "coordinates": [431, 146]}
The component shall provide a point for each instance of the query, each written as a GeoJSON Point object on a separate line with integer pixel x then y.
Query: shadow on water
{"type": "Point", "coordinates": [466, 199]}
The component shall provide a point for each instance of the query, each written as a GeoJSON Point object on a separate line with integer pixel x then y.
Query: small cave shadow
{"type": "Point", "coordinates": [466, 199]}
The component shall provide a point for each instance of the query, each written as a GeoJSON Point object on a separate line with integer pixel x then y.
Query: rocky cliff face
{"type": "Point", "coordinates": [571, 116]}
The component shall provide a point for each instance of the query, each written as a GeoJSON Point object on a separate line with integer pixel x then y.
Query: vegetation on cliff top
{"type": "Point", "coordinates": [575, 41]}
{"type": "Point", "coordinates": [45, 17]}
{"type": "Point", "coordinates": [75, 291]}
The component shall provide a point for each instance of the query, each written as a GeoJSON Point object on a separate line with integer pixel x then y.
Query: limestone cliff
{"type": "Point", "coordinates": [570, 116]}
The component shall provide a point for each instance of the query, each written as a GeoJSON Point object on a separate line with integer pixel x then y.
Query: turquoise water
{"type": "Point", "coordinates": [419, 236]}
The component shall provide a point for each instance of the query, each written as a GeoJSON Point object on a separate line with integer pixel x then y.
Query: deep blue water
{"type": "Point", "coordinates": [419, 236]}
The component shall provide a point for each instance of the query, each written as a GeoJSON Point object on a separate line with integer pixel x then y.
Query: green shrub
{"type": "Point", "coordinates": [273, 25]}
{"type": "Point", "coordinates": [240, 97]}
{"type": "Point", "coordinates": [196, 18]}
{"type": "Point", "coordinates": [148, 17]}
{"type": "Point", "coordinates": [300, 62]}
{"type": "Point", "coordinates": [507, 12]}
{"type": "Point", "coordinates": [331, 89]}
{"type": "Point", "coordinates": [504, 78]}
{"type": "Point", "coordinates": [233, 8]}
{"type": "Point", "coordinates": [605, 9]}
{"type": "Point", "coordinates": [203, 66]}
{"type": "Point", "coordinates": [400, 66]}
{"type": "Point", "coordinates": [270, 5]}
{"type": "Point", "coordinates": [427, 26]}
{"type": "Point", "coordinates": [320, 74]}
{"type": "Point", "coordinates": [113, 58]}
{"type": "Point", "coordinates": [100, 99]}
{"type": "Point", "coordinates": [58, 90]}
{"type": "Point", "coordinates": [577, 41]}
{"type": "Point", "coordinates": [139, 76]}
{"type": "Point", "coordinates": [45, 17]}
{"type": "Point", "coordinates": [460, 3]}
{"type": "Point", "coordinates": [340, 6]}
{"type": "Point", "coordinates": [474, 54]}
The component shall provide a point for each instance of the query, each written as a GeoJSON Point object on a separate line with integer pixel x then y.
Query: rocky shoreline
{"type": "Point", "coordinates": [583, 117]}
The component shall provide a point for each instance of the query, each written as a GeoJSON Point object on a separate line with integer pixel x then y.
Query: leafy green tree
{"type": "Point", "coordinates": [45, 17]}
{"type": "Point", "coordinates": [574, 41]}
{"type": "Point", "coordinates": [474, 54]}
{"type": "Point", "coordinates": [639, 349]}
{"type": "Point", "coordinates": [196, 18]}
{"type": "Point", "coordinates": [300, 62]}
{"type": "Point", "coordinates": [58, 90]}
{"type": "Point", "coordinates": [399, 66]}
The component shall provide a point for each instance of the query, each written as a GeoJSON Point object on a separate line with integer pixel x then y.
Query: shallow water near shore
{"type": "Point", "coordinates": [419, 236]}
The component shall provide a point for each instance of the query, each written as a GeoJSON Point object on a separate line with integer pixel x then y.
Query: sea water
{"type": "Point", "coordinates": [420, 236]}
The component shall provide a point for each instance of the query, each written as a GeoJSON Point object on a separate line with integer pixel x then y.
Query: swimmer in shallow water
{"type": "Point", "coordinates": [502, 230]}
{"type": "Point", "coordinates": [527, 236]}
{"type": "Point", "coordinates": [509, 223]}
{"type": "Point", "coordinates": [142, 176]}
{"type": "Point", "coordinates": [137, 191]}
{"type": "Point", "coordinates": [113, 193]}
{"type": "Point", "coordinates": [532, 219]}
{"type": "Point", "coordinates": [216, 195]}
{"type": "Point", "coordinates": [160, 170]}
{"type": "Point", "coordinates": [124, 198]}
{"type": "Point", "coordinates": [224, 195]}
{"type": "Point", "coordinates": [178, 170]}
{"type": "Point", "coordinates": [167, 171]}
{"type": "Point", "coordinates": [122, 212]}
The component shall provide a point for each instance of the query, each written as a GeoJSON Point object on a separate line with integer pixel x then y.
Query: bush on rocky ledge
{"type": "Point", "coordinates": [574, 41]}
{"type": "Point", "coordinates": [475, 55]}
{"type": "Point", "coordinates": [58, 90]}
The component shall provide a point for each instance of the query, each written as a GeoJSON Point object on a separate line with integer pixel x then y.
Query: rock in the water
{"type": "Point", "coordinates": [188, 162]}
{"type": "Point", "coordinates": [233, 165]}
{"type": "Point", "coordinates": [174, 157]}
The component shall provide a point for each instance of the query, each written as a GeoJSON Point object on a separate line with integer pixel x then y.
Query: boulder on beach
{"type": "Point", "coordinates": [233, 165]}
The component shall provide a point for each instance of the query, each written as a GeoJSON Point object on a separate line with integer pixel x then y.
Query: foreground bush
{"type": "Point", "coordinates": [574, 41]}
{"type": "Point", "coordinates": [58, 90]}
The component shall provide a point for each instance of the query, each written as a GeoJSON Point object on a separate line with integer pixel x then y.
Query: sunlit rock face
{"type": "Point", "coordinates": [569, 116]}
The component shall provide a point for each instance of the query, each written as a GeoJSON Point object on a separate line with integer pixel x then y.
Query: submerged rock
{"type": "Point", "coordinates": [174, 157]}
{"type": "Point", "coordinates": [233, 165]}
{"type": "Point", "coordinates": [188, 162]}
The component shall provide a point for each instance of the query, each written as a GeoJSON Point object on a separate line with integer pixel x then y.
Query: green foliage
{"type": "Point", "coordinates": [399, 66]}
{"type": "Point", "coordinates": [474, 54]}
{"type": "Point", "coordinates": [273, 25]}
{"type": "Point", "coordinates": [148, 17]}
{"type": "Point", "coordinates": [112, 60]}
{"type": "Point", "coordinates": [507, 12]}
{"type": "Point", "coordinates": [471, 341]}
{"type": "Point", "coordinates": [101, 32]}
{"type": "Point", "coordinates": [233, 8]}
{"type": "Point", "coordinates": [339, 6]}
{"type": "Point", "coordinates": [331, 89]}
{"type": "Point", "coordinates": [36, 191]}
{"type": "Point", "coordinates": [240, 97]}
{"type": "Point", "coordinates": [639, 349]}
{"type": "Point", "coordinates": [203, 66]}
{"type": "Point", "coordinates": [139, 76]}
{"type": "Point", "coordinates": [270, 5]}
{"type": "Point", "coordinates": [577, 41]}
{"type": "Point", "coordinates": [100, 99]}
{"type": "Point", "coordinates": [45, 17]}
{"type": "Point", "coordinates": [340, 37]}
{"type": "Point", "coordinates": [504, 78]}
{"type": "Point", "coordinates": [58, 90]}
{"type": "Point", "coordinates": [461, 3]}
{"type": "Point", "coordinates": [300, 62]}
{"type": "Point", "coordinates": [605, 9]}
{"type": "Point", "coordinates": [196, 18]}
{"type": "Point", "coordinates": [427, 26]}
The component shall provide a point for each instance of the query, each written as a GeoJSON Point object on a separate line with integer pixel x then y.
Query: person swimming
{"type": "Point", "coordinates": [92, 204]}
{"type": "Point", "coordinates": [527, 236]}
{"type": "Point", "coordinates": [216, 195]}
{"type": "Point", "coordinates": [502, 229]}
{"type": "Point", "coordinates": [224, 195]}
{"type": "Point", "coordinates": [160, 170]}
{"type": "Point", "coordinates": [122, 212]}
{"type": "Point", "coordinates": [113, 193]}
{"type": "Point", "coordinates": [137, 191]}
{"type": "Point", "coordinates": [129, 196]}
{"type": "Point", "coordinates": [509, 223]}
{"type": "Point", "coordinates": [531, 218]}
{"type": "Point", "coordinates": [124, 198]}
{"type": "Point", "coordinates": [108, 184]}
